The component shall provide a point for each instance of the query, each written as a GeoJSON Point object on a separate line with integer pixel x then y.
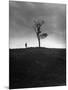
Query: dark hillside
{"type": "Point", "coordinates": [37, 67]}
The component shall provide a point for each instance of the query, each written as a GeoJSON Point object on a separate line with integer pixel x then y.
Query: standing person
{"type": "Point", "coordinates": [25, 45]}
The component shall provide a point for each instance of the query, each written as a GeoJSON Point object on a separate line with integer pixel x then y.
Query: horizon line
{"type": "Point", "coordinates": [37, 47]}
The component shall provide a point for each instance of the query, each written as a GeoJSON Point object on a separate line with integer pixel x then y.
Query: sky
{"type": "Point", "coordinates": [21, 16]}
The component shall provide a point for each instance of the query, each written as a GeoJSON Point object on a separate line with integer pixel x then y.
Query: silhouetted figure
{"type": "Point", "coordinates": [25, 45]}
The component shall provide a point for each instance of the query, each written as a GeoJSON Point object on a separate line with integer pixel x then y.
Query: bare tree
{"type": "Point", "coordinates": [37, 27]}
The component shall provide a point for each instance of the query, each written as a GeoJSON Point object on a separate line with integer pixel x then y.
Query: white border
{"type": "Point", "coordinates": [4, 44]}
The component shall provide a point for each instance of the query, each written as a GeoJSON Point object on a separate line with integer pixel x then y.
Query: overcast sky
{"type": "Point", "coordinates": [21, 15]}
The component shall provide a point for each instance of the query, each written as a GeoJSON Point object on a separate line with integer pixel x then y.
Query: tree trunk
{"type": "Point", "coordinates": [38, 37]}
{"type": "Point", "coordinates": [38, 40]}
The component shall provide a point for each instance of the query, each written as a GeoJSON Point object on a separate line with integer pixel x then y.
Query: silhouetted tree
{"type": "Point", "coordinates": [37, 27]}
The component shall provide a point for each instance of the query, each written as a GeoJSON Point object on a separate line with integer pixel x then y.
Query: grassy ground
{"type": "Point", "coordinates": [37, 67]}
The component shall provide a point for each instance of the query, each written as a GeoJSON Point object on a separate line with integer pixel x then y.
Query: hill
{"type": "Point", "coordinates": [37, 67]}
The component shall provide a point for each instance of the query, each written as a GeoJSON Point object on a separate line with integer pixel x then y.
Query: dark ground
{"type": "Point", "coordinates": [37, 67]}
